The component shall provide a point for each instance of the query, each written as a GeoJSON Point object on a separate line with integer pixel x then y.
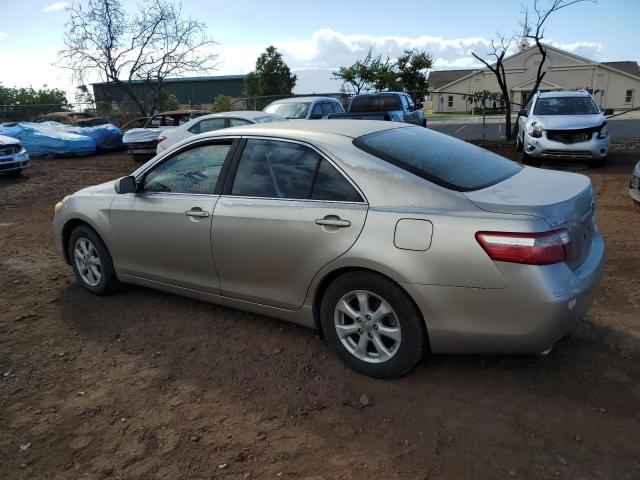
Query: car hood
{"type": "Point", "coordinates": [107, 188]}
{"type": "Point", "coordinates": [4, 140]}
{"type": "Point", "coordinates": [569, 122]}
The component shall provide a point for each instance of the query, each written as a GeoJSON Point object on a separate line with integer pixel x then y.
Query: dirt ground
{"type": "Point", "coordinates": [146, 385]}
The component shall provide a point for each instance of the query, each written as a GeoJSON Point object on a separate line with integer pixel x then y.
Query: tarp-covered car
{"type": "Point", "coordinates": [52, 138]}
{"type": "Point", "coordinates": [13, 157]}
{"type": "Point", "coordinates": [80, 119]}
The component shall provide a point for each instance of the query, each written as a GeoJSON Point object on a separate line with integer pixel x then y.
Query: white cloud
{"type": "Point", "coordinates": [590, 50]}
{"type": "Point", "coordinates": [55, 6]}
{"type": "Point", "coordinates": [3, 35]}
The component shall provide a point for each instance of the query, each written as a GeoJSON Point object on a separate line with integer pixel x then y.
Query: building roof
{"type": "Point", "coordinates": [439, 78]}
{"type": "Point", "coordinates": [625, 66]}
{"type": "Point", "coordinates": [212, 78]}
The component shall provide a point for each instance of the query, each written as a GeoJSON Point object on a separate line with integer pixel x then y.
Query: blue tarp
{"type": "Point", "coordinates": [58, 139]}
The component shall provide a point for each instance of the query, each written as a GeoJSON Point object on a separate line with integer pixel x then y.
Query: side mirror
{"type": "Point", "coordinates": [522, 112]}
{"type": "Point", "coordinates": [419, 106]}
{"type": "Point", "coordinates": [608, 111]}
{"type": "Point", "coordinates": [315, 116]}
{"type": "Point", "coordinates": [126, 185]}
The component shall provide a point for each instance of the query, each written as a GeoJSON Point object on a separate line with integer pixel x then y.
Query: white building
{"type": "Point", "coordinates": [614, 84]}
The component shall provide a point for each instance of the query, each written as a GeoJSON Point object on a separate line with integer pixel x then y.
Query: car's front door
{"type": "Point", "coordinates": [286, 211]}
{"type": "Point", "coordinates": [163, 232]}
{"type": "Point", "coordinates": [413, 115]}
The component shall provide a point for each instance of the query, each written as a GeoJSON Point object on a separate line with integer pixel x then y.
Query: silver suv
{"type": "Point", "coordinates": [566, 125]}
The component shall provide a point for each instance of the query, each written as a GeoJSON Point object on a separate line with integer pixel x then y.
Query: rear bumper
{"type": "Point", "coordinates": [537, 308]}
{"type": "Point", "coordinates": [594, 149]}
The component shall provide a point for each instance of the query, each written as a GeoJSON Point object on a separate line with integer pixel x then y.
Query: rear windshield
{"type": "Point", "coordinates": [441, 159]}
{"type": "Point", "coordinates": [374, 103]}
{"type": "Point", "coordinates": [565, 106]}
{"type": "Point", "coordinates": [289, 110]}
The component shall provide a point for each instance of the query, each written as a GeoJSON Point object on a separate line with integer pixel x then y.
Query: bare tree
{"type": "Point", "coordinates": [543, 11]}
{"type": "Point", "coordinates": [495, 63]}
{"type": "Point", "coordinates": [154, 44]}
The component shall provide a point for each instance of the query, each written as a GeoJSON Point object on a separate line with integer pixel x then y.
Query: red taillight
{"type": "Point", "coordinates": [531, 248]}
{"type": "Point", "coordinates": [161, 138]}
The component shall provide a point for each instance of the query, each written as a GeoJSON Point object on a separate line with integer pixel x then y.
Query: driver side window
{"type": "Point", "coordinates": [193, 171]}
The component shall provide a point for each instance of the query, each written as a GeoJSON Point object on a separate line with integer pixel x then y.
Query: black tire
{"type": "Point", "coordinates": [413, 335]}
{"type": "Point", "coordinates": [597, 162]}
{"type": "Point", "coordinates": [519, 147]}
{"type": "Point", "coordinates": [424, 123]}
{"type": "Point", "coordinates": [139, 158]}
{"type": "Point", "coordinates": [108, 280]}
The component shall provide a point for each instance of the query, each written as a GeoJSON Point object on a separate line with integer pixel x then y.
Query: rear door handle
{"type": "Point", "coordinates": [333, 222]}
{"type": "Point", "coordinates": [196, 212]}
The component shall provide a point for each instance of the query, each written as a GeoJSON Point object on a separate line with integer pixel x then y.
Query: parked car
{"type": "Point", "coordinates": [310, 108]}
{"type": "Point", "coordinates": [387, 238]}
{"type": "Point", "coordinates": [566, 125]}
{"type": "Point", "coordinates": [13, 157]}
{"type": "Point", "coordinates": [390, 106]}
{"type": "Point", "coordinates": [79, 119]}
{"type": "Point", "coordinates": [139, 122]}
{"type": "Point", "coordinates": [209, 123]}
{"type": "Point", "coordinates": [634, 186]}
{"type": "Point", "coordinates": [142, 142]}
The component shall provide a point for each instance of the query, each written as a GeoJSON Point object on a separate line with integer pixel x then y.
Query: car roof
{"type": "Point", "coordinates": [179, 112]}
{"type": "Point", "coordinates": [300, 128]}
{"type": "Point", "coordinates": [248, 114]}
{"type": "Point", "coordinates": [303, 99]}
{"type": "Point", "coordinates": [578, 93]}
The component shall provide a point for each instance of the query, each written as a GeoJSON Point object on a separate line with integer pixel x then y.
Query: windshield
{"type": "Point", "coordinates": [269, 118]}
{"type": "Point", "coordinates": [565, 106]}
{"type": "Point", "coordinates": [289, 110]}
{"type": "Point", "coordinates": [441, 159]}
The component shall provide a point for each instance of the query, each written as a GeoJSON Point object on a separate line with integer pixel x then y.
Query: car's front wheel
{"type": "Point", "coordinates": [91, 261]}
{"type": "Point", "coordinates": [372, 324]}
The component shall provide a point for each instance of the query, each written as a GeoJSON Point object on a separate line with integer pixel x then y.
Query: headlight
{"type": "Point", "coordinates": [603, 133]}
{"type": "Point", "coordinates": [536, 130]}
{"type": "Point", "coordinates": [58, 208]}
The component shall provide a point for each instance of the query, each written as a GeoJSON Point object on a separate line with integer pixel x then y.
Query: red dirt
{"type": "Point", "coordinates": [146, 385]}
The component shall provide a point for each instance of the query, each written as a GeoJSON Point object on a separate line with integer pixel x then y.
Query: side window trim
{"type": "Point", "coordinates": [140, 177]}
{"type": "Point", "coordinates": [232, 169]}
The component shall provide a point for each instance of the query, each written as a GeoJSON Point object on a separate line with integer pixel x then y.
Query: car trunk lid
{"type": "Point", "coordinates": [562, 199]}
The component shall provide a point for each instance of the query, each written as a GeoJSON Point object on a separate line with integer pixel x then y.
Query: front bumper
{"type": "Point", "coordinates": [14, 162]}
{"type": "Point", "coordinates": [594, 149]}
{"type": "Point", "coordinates": [537, 308]}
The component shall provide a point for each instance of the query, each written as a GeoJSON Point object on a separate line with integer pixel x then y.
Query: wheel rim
{"type": "Point", "coordinates": [367, 326]}
{"type": "Point", "coordinates": [87, 262]}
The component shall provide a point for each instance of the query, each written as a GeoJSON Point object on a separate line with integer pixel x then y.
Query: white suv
{"type": "Point", "coordinates": [566, 125]}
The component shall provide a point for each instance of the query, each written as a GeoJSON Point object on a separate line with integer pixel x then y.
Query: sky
{"type": "Point", "coordinates": [316, 37]}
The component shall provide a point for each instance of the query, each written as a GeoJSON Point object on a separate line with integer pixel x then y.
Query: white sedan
{"type": "Point", "coordinates": [215, 121]}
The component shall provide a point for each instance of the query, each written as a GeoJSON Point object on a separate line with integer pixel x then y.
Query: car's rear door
{"type": "Point", "coordinates": [286, 211]}
{"type": "Point", "coordinates": [163, 232]}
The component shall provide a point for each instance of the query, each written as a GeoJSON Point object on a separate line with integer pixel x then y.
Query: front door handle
{"type": "Point", "coordinates": [333, 222]}
{"type": "Point", "coordinates": [196, 212]}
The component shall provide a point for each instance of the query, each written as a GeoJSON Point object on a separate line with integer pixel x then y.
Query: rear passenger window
{"type": "Point", "coordinates": [330, 184]}
{"type": "Point", "coordinates": [238, 122]}
{"type": "Point", "coordinates": [326, 109]}
{"type": "Point", "coordinates": [207, 125]}
{"type": "Point", "coordinates": [275, 169]}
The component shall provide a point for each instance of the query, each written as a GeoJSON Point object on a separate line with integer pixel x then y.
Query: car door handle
{"type": "Point", "coordinates": [333, 222]}
{"type": "Point", "coordinates": [196, 212]}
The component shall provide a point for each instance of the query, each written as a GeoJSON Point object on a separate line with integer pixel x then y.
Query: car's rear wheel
{"type": "Point", "coordinates": [91, 261]}
{"type": "Point", "coordinates": [372, 324]}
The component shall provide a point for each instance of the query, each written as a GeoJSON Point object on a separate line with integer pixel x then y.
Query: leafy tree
{"type": "Point", "coordinates": [83, 97]}
{"type": "Point", "coordinates": [221, 103]}
{"type": "Point", "coordinates": [271, 77]}
{"type": "Point", "coordinates": [407, 73]}
{"type": "Point", "coordinates": [412, 68]}
{"type": "Point", "coordinates": [30, 96]}
{"type": "Point", "coordinates": [150, 45]}
{"type": "Point", "coordinates": [479, 99]}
